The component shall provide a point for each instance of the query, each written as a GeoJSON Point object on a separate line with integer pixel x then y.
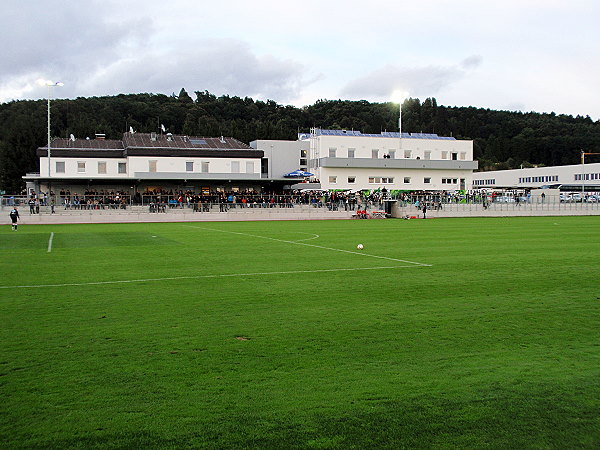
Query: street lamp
{"type": "Point", "coordinates": [50, 85]}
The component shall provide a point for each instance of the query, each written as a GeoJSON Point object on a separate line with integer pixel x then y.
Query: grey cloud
{"type": "Point", "coordinates": [472, 62]}
{"type": "Point", "coordinates": [220, 66]}
{"type": "Point", "coordinates": [417, 81]}
{"type": "Point", "coordinates": [57, 38]}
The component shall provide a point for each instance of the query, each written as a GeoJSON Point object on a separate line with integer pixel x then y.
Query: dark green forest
{"type": "Point", "coordinates": [502, 139]}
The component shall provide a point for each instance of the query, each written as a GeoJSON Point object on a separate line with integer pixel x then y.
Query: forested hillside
{"type": "Point", "coordinates": [501, 139]}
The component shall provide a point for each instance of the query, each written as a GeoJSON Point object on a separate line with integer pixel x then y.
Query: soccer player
{"type": "Point", "coordinates": [14, 216]}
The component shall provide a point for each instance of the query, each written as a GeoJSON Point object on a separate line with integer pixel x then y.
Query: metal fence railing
{"type": "Point", "coordinates": [332, 201]}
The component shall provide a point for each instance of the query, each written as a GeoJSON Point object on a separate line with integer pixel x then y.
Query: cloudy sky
{"type": "Point", "coordinates": [525, 55]}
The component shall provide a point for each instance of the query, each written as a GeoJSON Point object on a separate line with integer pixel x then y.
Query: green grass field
{"type": "Point", "coordinates": [440, 333]}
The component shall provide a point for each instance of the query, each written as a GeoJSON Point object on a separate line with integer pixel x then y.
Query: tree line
{"type": "Point", "coordinates": [502, 139]}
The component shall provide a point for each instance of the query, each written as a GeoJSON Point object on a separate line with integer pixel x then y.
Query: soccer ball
{"type": "Point", "coordinates": [360, 246]}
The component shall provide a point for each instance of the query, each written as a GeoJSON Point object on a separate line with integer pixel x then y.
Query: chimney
{"type": "Point", "coordinates": [222, 140]}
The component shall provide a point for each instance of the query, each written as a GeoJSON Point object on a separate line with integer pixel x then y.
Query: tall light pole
{"type": "Point", "coordinates": [50, 85]}
{"type": "Point", "coordinates": [399, 97]}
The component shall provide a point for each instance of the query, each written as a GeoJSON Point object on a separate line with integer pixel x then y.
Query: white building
{"type": "Point", "coordinates": [568, 178]}
{"type": "Point", "coordinates": [338, 159]}
{"type": "Point", "coordinates": [343, 159]}
{"type": "Point", "coordinates": [148, 161]}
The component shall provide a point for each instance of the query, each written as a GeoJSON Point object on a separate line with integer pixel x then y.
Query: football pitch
{"type": "Point", "coordinates": [438, 333]}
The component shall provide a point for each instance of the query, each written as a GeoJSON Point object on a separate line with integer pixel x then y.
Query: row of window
{"type": "Point", "coordinates": [391, 154]}
{"type": "Point", "coordinates": [541, 179]}
{"type": "Point", "coordinates": [587, 176]}
{"type": "Point", "coordinates": [390, 180]}
{"type": "Point", "coordinates": [81, 167]}
{"type": "Point", "coordinates": [152, 167]}
{"type": "Point", "coordinates": [484, 182]}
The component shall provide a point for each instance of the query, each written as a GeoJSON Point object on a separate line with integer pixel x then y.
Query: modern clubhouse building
{"type": "Point", "coordinates": [337, 159]}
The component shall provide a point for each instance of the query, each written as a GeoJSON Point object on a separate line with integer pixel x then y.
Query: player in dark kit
{"type": "Point", "coordinates": [14, 216]}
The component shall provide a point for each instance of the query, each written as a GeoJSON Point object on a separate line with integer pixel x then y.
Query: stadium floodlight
{"type": "Point", "coordinates": [50, 84]}
{"type": "Point", "coordinates": [398, 96]}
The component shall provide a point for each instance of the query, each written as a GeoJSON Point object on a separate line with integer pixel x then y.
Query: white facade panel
{"type": "Point", "coordinates": [372, 162]}
{"type": "Point", "coordinates": [91, 167]}
{"type": "Point", "coordinates": [393, 179]}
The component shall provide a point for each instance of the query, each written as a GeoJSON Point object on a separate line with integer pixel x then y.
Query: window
{"type": "Point", "coordinates": [332, 179]}
{"type": "Point", "coordinates": [351, 180]}
{"type": "Point", "coordinates": [463, 155]}
{"type": "Point", "coordinates": [375, 153]}
{"type": "Point", "coordinates": [407, 179]}
{"type": "Point", "coordinates": [235, 167]}
{"type": "Point", "coordinates": [122, 167]}
{"type": "Point", "coordinates": [249, 166]}
{"type": "Point", "coordinates": [303, 162]}
{"type": "Point", "coordinates": [303, 153]}
{"type": "Point", "coordinates": [189, 166]}
{"type": "Point", "coordinates": [204, 166]}
{"type": "Point", "coordinates": [427, 180]}
{"type": "Point", "coordinates": [407, 153]}
{"type": "Point", "coordinates": [444, 155]}
{"type": "Point", "coordinates": [101, 167]}
{"type": "Point", "coordinates": [332, 152]}
{"type": "Point", "coordinates": [351, 152]}
{"type": "Point", "coordinates": [387, 180]}
{"type": "Point", "coordinates": [81, 167]}
{"type": "Point", "coordinates": [392, 154]}
{"type": "Point", "coordinates": [454, 156]}
{"type": "Point", "coordinates": [152, 165]}
{"type": "Point", "coordinates": [60, 167]}
{"type": "Point", "coordinates": [427, 154]}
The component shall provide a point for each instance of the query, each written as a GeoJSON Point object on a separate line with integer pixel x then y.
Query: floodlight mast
{"type": "Point", "coordinates": [50, 84]}
{"type": "Point", "coordinates": [399, 96]}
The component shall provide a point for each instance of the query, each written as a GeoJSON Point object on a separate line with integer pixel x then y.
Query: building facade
{"type": "Point", "coordinates": [343, 159]}
{"type": "Point", "coordinates": [337, 159]}
{"type": "Point", "coordinates": [575, 177]}
{"type": "Point", "coordinates": [148, 161]}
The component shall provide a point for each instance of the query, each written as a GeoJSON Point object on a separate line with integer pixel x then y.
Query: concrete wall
{"type": "Point", "coordinates": [400, 210]}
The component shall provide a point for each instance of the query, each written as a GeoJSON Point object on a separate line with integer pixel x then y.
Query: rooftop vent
{"type": "Point", "coordinates": [153, 136]}
{"type": "Point", "coordinates": [169, 137]}
{"type": "Point", "coordinates": [100, 136]}
{"type": "Point", "coordinates": [222, 140]}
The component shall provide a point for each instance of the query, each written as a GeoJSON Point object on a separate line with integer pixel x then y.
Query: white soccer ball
{"type": "Point", "coordinates": [360, 246]}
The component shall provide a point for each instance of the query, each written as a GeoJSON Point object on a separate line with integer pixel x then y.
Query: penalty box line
{"type": "Point", "coordinates": [311, 245]}
{"type": "Point", "coordinates": [197, 277]}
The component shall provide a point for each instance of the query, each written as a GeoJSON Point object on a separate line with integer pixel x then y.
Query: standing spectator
{"type": "Point", "coordinates": [14, 217]}
{"type": "Point", "coordinates": [31, 206]}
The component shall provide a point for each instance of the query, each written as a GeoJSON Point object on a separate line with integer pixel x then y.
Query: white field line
{"type": "Point", "coordinates": [315, 236]}
{"type": "Point", "coordinates": [311, 245]}
{"type": "Point", "coordinates": [50, 242]}
{"type": "Point", "coordinates": [197, 277]}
